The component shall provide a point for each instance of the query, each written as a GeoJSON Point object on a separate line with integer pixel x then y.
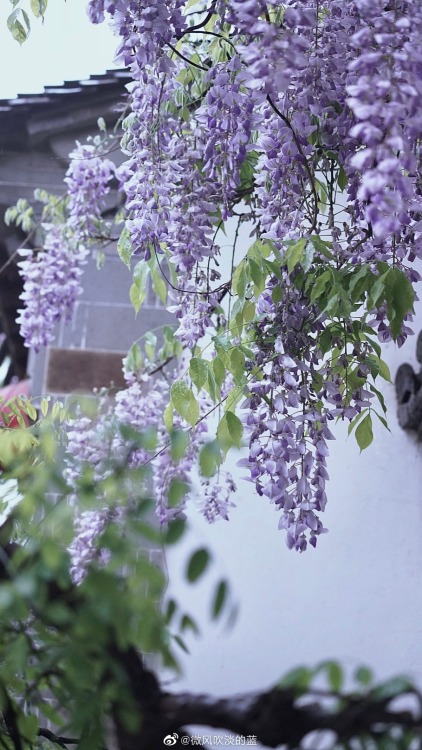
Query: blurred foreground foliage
{"type": "Point", "coordinates": [74, 658]}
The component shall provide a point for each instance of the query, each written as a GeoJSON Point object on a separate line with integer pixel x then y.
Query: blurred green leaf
{"type": "Point", "coordinates": [175, 531]}
{"type": "Point", "coordinates": [197, 564]}
{"type": "Point", "coordinates": [219, 599]}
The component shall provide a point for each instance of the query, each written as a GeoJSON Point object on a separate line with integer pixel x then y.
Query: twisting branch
{"type": "Point", "coordinates": [276, 718]}
{"type": "Point", "coordinates": [202, 23]}
{"type": "Point", "coordinates": [186, 59]}
{"type": "Point", "coordinates": [56, 739]}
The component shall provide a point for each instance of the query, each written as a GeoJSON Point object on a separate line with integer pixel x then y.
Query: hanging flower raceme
{"type": "Point", "coordinates": [88, 179]}
{"type": "Point", "coordinates": [52, 284]}
{"type": "Point", "coordinates": [273, 51]}
{"type": "Point", "coordinates": [295, 393]}
{"type": "Point", "coordinates": [85, 548]}
{"type": "Point", "coordinates": [143, 27]}
{"type": "Point", "coordinates": [386, 99]}
{"type": "Point", "coordinates": [227, 118]}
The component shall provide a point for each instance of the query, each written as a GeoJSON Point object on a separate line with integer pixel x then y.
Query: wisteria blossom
{"type": "Point", "coordinates": [52, 275]}
{"type": "Point", "coordinates": [88, 180]}
{"type": "Point", "coordinates": [298, 125]}
{"type": "Point", "coordinates": [52, 284]}
{"type": "Point", "coordinates": [85, 549]}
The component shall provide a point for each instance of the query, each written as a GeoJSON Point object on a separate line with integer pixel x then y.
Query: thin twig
{"type": "Point", "coordinates": [186, 59]}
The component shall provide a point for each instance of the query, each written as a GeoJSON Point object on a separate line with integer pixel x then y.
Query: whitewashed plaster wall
{"type": "Point", "coordinates": [357, 597]}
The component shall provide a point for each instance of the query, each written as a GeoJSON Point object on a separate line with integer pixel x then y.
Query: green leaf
{"type": "Point", "coordinates": [319, 286]}
{"type": "Point", "coordinates": [277, 294]}
{"type": "Point", "coordinates": [364, 434]}
{"type": "Point", "coordinates": [260, 249]}
{"type": "Point", "coordinates": [146, 439]}
{"type": "Point", "coordinates": [29, 409]}
{"type": "Point", "coordinates": [353, 423]}
{"type": "Point", "coordinates": [44, 406]}
{"type": "Point", "coordinates": [39, 7]}
{"type": "Point", "coordinates": [180, 642]}
{"type": "Point", "coordinates": [175, 531]}
{"type": "Point", "coordinates": [198, 371]}
{"type": "Point", "coordinates": [334, 672]}
{"type": "Point", "coordinates": [294, 254]}
{"type": "Point", "coordinates": [359, 281]}
{"type": "Point", "coordinates": [185, 402]}
{"type": "Point", "coordinates": [297, 679]}
{"type": "Point", "coordinates": [177, 491]}
{"type": "Point", "coordinates": [248, 311]}
{"type": "Point", "coordinates": [150, 344]}
{"type": "Point", "coordinates": [342, 179]}
{"type": "Point", "coordinates": [197, 564]}
{"type": "Point", "coordinates": [222, 343]}
{"type": "Point", "coordinates": [179, 441]}
{"type": "Point", "coordinates": [28, 27]}
{"type": "Point", "coordinates": [236, 364]}
{"type": "Point", "coordinates": [393, 687]}
{"type": "Point", "coordinates": [230, 431]}
{"type": "Point", "coordinates": [382, 420]}
{"type": "Point", "coordinates": [400, 300]}
{"type": "Point", "coordinates": [363, 675]}
{"type": "Point", "coordinates": [219, 370]}
{"type": "Point", "coordinates": [133, 360]}
{"type": "Point", "coordinates": [307, 257]}
{"type": "Point", "coordinates": [322, 247]}
{"type": "Point", "coordinates": [210, 458]}
{"type": "Point", "coordinates": [159, 285]}
{"type": "Point", "coordinates": [274, 268]}
{"type": "Point", "coordinates": [11, 21]}
{"type": "Point", "coordinates": [170, 610]}
{"type": "Point", "coordinates": [233, 397]}
{"type": "Point", "coordinates": [256, 275]}
{"type": "Point", "coordinates": [384, 371]}
{"type": "Point", "coordinates": [211, 386]}
{"type": "Point", "coordinates": [187, 623]}
{"type": "Point", "coordinates": [377, 291]}
{"type": "Point", "coordinates": [28, 727]}
{"type": "Point", "coordinates": [219, 600]}
{"type": "Point", "coordinates": [240, 280]}
{"type": "Point", "coordinates": [138, 290]}
{"type": "Point", "coordinates": [18, 32]}
{"type": "Point", "coordinates": [379, 396]}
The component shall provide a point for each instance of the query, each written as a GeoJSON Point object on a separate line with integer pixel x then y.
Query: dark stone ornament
{"type": "Point", "coordinates": [409, 394]}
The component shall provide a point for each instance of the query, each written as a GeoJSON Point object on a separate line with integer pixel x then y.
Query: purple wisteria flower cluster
{"type": "Point", "coordinates": [299, 123]}
{"type": "Point", "coordinates": [52, 283]}
{"type": "Point", "coordinates": [322, 103]}
{"type": "Point", "coordinates": [84, 549]}
{"type": "Point", "coordinates": [290, 403]}
{"type": "Point", "coordinates": [88, 180]}
{"type": "Point", "coordinates": [52, 275]}
{"type": "Point", "coordinates": [99, 444]}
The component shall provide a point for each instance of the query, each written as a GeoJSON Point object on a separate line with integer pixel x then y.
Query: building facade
{"type": "Point", "coordinates": [37, 133]}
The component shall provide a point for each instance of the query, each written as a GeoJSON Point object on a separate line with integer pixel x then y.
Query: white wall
{"type": "Point", "coordinates": [357, 597]}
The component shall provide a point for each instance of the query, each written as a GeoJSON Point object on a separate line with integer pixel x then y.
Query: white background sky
{"type": "Point", "coordinates": [66, 47]}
